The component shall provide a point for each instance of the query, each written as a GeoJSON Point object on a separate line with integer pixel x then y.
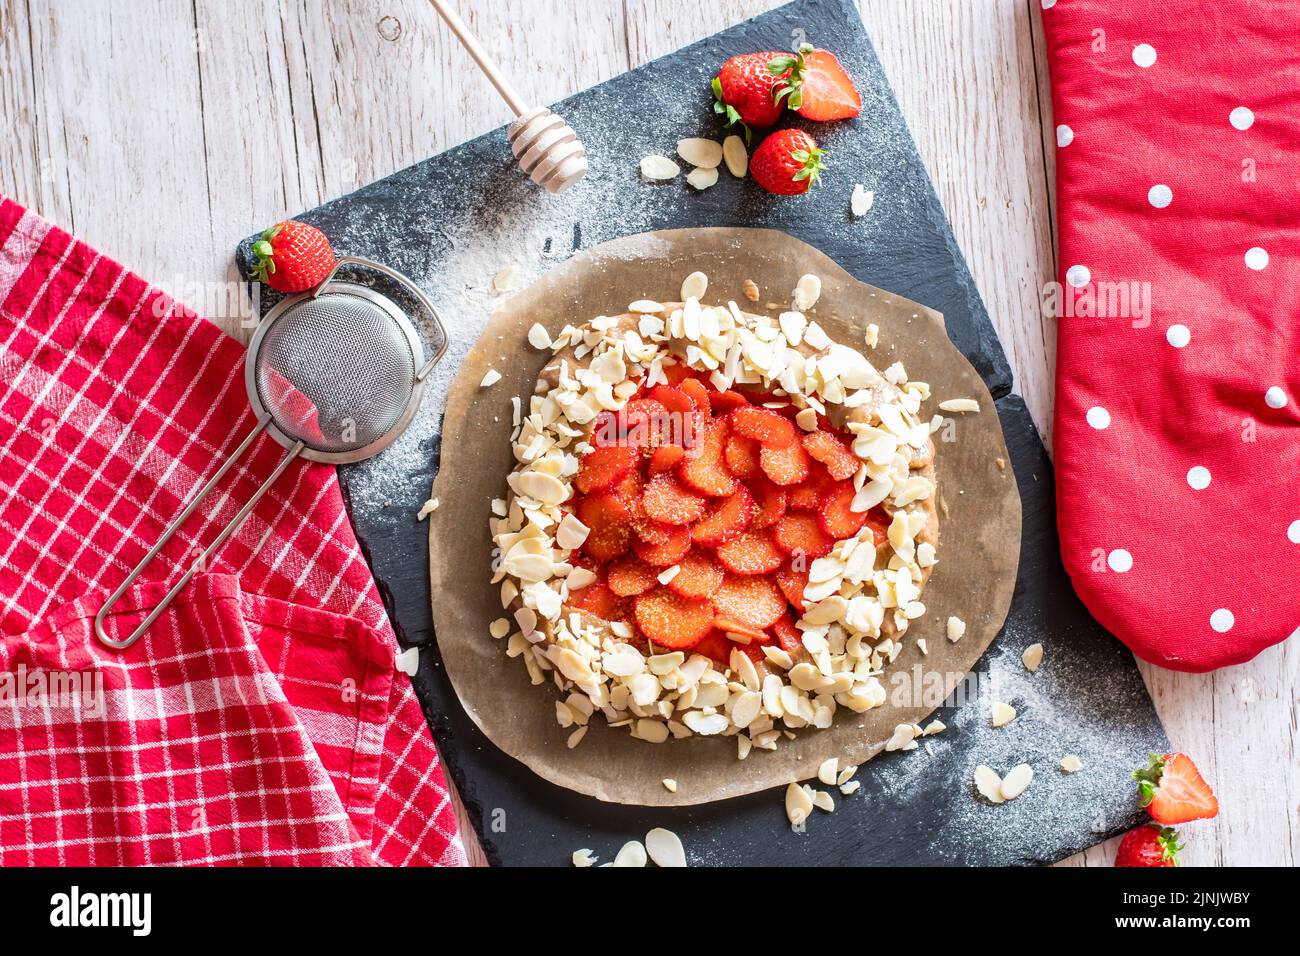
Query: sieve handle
{"type": "Point", "coordinates": [423, 371]}
{"type": "Point", "coordinates": [202, 559]}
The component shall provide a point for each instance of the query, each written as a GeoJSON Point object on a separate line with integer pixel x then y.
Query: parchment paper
{"type": "Point", "coordinates": [979, 508]}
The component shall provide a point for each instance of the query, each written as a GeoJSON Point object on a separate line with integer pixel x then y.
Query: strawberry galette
{"type": "Point", "coordinates": [719, 523]}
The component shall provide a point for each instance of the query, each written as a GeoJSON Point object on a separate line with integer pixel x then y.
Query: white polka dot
{"type": "Point", "coordinates": [1048, 4]}
{"type": "Point", "coordinates": [1178, 336]}
{"type": "Point", "coordinates": [1064, 136]}
{"type": "Point", "coordinates": [1098, 417]}
{"type": "Point", "coordinates": [1199, 478]}
{"type": "Point", "coordinates": [1222, 620]}
{"type": "Point", "coordinates": [1144, 54]}
{"type": "Point", "coordinates": [1257, 258]}
{"type": "Point", "coordinates": [1293, 532]}
{"type": "Point", "coordinates": [1160, 196]}
{"type": "Point", "coordinates": [1119, 560]}
{"type": "Point", "coordinates": [1241, 118]}
{"type": "Point", "coordinates": [1078, 276]}
{"type": "Point", "coordinates": [1275, 397]}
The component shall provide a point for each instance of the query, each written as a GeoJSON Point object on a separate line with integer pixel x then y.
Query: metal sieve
{"type": "Point", "coordinates": [334, 375]}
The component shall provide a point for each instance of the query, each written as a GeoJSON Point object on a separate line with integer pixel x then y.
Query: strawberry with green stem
{"type": "Point", "coordinates": [745, 91]}
{"type": "Point", "coordinates": [787, 163]}
{"type": "Point", "coordinates": [1173, 791]}
{"type": "Point", "coordinates": [815, 85]}
{"type": "Point", "coordinates": [292, 257]}
{"type": "Point", "coordinates": [1149, 846]}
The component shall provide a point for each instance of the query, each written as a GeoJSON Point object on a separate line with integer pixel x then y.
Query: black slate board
{"type": "Point", "coordinates": [442, 223]}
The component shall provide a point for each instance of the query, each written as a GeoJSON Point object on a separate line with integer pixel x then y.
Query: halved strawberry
{"type": "Point", "coordinates": [630, 576]}
{"type": "Point", "coordinates": [666, 501]}
{"type": "Point", "coordinates": [703, 469]}
{"type": "Point", "coordinates": [669, 620]}
{"type": "Point", "coordinates": [665, 458]}
{"type": "Point", "coordinates": [602, 467]}
{"type": "Point", "coordinates": [751, 553]}
{"type": "Point", "coordinates": [727, 522]}
{"type": "Point", "coordinates": [728, 401]}
{"type": "Point", "coordinates": [792, 584]}
{"type": "Point", "coordinates": [741, 456]}
{"type": "Point", "coordinates": [673, 399]}
{"type": "Point", "coordinates": [753, 601]}
{"type": "Point", "coordinates": [788, 637]}
{"type": "Point", "coordinates": [698, 394]}
{"type": "Point", "coordinates": [764, 425]}
{"type": "Point", "coordinates": [785, 466]}
{"type": "Point", "coordinates": [1173, 790]}
{"type": "Point", "coordinates": [699, 575]}
{"type": "Point", "coordinates": [665, 553]}
{"type": "Point", "coordinates": [597, 599]}
{"type": "Point", "coordinates": [817, 88]}
{"type": "Point", "coordinates": [772, 500]}
{"type": "Point", "coordinates": [837, 518]}
{"type": "Point", "coordinates": [609, 518]}
{"type": "Point", "coordinates": [739, 629]}
{"type": "Point", "coordinates": [831, 452]}
{"type": "Point", "coordinates": [801, 534]}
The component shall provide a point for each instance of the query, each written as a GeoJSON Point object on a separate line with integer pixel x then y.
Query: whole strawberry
{"type": "Point", "coordinates": [745, 91]}
{"type": "Point", "coordinates": [1149, 846]}
{"type": "Point", "coordinates": [292, 256]}
{"type": "Point", "coordinates": [1173, 791]}
{"type": "Point", "coordinates": [787, 163]}
{"type": "Point", "coordinates": [816, 86]}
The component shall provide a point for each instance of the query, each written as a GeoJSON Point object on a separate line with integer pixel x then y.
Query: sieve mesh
{"type": "Point", "coordinates": [335, 372]}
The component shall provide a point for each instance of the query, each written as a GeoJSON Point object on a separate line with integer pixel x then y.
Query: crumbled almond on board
{"type": "Point", "coordinates": [659, 168]}
{"type": "Point", "coordinates": [850, 788]}
{"type": "Point", "coordinates": [798, 804]}
{"type": "Point", "coordinates": [646, 306]}
{"type": "Point", "coordinates": [750, 288]}
{"type": "Point", "coordinates": [989, 784]}
{"type": "Point", "coordinates": [575, 738]}
{"type": "Point", "coordinates": [1071, 764]}
{"type": "Point", "coordinates": [1032, 657]}
{"type": "Point", "coordinates": [1016, 781]}
{"type": "Point", "coordinates": [665, 848]}
{"type": "Point", "coordinates": [823, 801]}
{"type": "Point", "coordinates": [872, 337]}
{"type": "Point", "coordinates": [426, 509]}
{"type": "Point", "coordinates": [861, 201]}
{"type": "Point", "coordinates": [806, 292]}
{"type": "Point", "coordinates": [1002, 714]}
{"type": "Point", "coordinates": [694, 286]}
{"type": "Point", "coordinates": [408, 661]}
{"type": "Point", "coordinates": [934, 727]}
{"type": "Point", "coordinates": [904, 738]}
{"type": "Point", "coordinates": [490, 378]}
{"type": "Point", "coordinates": [538, 337]}
{"type": "Point", "coordinates": [499, 628]}
{"type": "Point", "coordinates": [736, 156]}
{"type": "Point", "coordinates": [583, 858]}
{"type": "Point", "coordinates": [702, 178]}
{"type": "Point", "coordinates": [670, 784]}
{"type": "Point", "coordinates": [631, 854]}
{"type": "Point", "coordinates": [829, 770]}
{"type": "Point", "coordinates": [504, 280]}
{"type": "Point", "coordinates": [956, 629]}
{"type": "Point", "coordinates": [704, 153]}
{"type": "Point", "coordinates": [960, 405]}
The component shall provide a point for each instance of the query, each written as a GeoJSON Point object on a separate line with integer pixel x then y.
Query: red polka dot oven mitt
{"type": "Point", "coordinates": [1177, 428]}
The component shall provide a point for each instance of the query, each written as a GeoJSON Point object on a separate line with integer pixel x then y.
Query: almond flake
{"type": "Point", "coordinates": [934, 727]}
{"type": "Point", "coordinates": [426, 509]}
{"type": "Point", "coordinates": [903, 738]}
{"type": "Point", "coordinates": [538, 337]}
{"type": "Point", "coordinates": [960, 405]}
{"type": "Point", "coordinates": [850, 788]}
{"type": "Point", "coordinates": [659, 168]}
{"type": "Point", "coordinates": [736, 157]}
{"type": "Point", "coordinates": [408, 661]}
{"type": "Point", "coordinates": [645, 306]}
{"type": "Point", "coordinates": [1016, 781]}
{"type": "Point", "coordinates": [583, 858]}
{"type": "Point", "coordinates": [665, 848]}
{"type": "Point", "coordinates": [988, 783]}
{"type": "Point", "coordinates": [490, 378]}
{"type": "Point", "coordinates": [632, 854]}
{"type": "Point", "coordinates": [956, 629]}
{"type": "Point", "coordinates": [700, 152]}
{"type": "Point", "coordinates": [829, 771]}
{"type": "Point", "coordinates": [667, 574]}
{"type": "Point", "coordinates": [798, 804]}
{"type": "Point", "coordinates": [702, 179]}
{"type": "Point", "coordinates": [499, 628]}
{"type": "Point", "coordinates": [823, 801]}
{"type": "Point", "coordinates": [806, 293]}
{"type": "Point", "coordinates": [1071, 764]}
{"type": "Point", "coordinates": [861, 201]}
{"type": "Point", "coordinates": [575, 738]}
{"type": "Point", "coordinates": [694, 286]}
{"type": "Point", "coordinates": [504, 280]}
{"type": "Point", "coordinates": [1032, 657]}
{"type": "Point", "coordinates": [670, 784]}
{"type": "Point", "coordinates": [1002, 713]}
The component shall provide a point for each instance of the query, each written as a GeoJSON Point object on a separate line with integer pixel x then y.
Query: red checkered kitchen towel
{"type": "Point", "coordinates": [260, 720]}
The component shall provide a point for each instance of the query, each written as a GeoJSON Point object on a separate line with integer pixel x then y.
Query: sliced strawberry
{"type": "Point", "coordinates": [808, 495]}
{"type": "Point", "coordinates": [741, 456]}
{"type": "Point", "coordinates": [831, 452]}
{"type": "Point", "coordinates": [837, 518]}
{"type": "Point", "coordinates": [666, 553]}
{"type": "Point", "coordinates": [678, 373]}
{"type": "Point", "coordinates": [785, 466]}
{"type": "Point", "coordinates": [699, 575]}
{"type": "Point", "coordinates": [646, 424]}
{"type": "Point", "coordinates": [751, 553]}
{"type": "Point", "coordinates": [698, 394]}
{"type": "Point", "coordinates": [801, 534]}
{"type": "Point", "coordinates": [880, 520]}
{"type": "Point", "coordinates": [666, 501]}
{"type": "Point", "coordinates": [704, 469]}
{"type": "Point", "coordinates": [753, 601]}
{"type": "Point", "coordinates": [602, 467]}
{"type": "Point", "coordinates": [1173, 790]}
{"type": "Point", "coordinates": [609, 518]}
{"type": "Point", "coordinates": [665, 458]}
{"type": "Point", "coordinates": [728, 401]}
{"type": "Point", "coordinates": [727, 522]}
{"type": "Point", "coordinates": [597, 599]}
{"type": "Point", "coordinates": [629, 576]}
{"type": "Point", "coordinates": [792, 584]}
{"type": "Point", "coordinates": [788, 637]}
{"type": "Point", "coordinates": [629, 487]}
{"type": "Point", "coordinates": [764, 425]}
{"type": "Point", "coordinates": [718, 648]}
{"type": "Point", "coordinates": [669, 620]}
{"type": "Point", "coordinates": [673, 399]}
{"type": "Point", "coordinates": [752, 634]}
{"type": "Point", "coordinates": [772, 501]}
{"type": "Point", "coordinates": [818, 87]}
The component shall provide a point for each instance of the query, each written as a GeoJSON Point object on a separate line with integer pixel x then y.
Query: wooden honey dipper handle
{"type": "Point", "coordinates": [480, 56]}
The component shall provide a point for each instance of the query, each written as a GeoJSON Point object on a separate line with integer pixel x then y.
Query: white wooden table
{"type": "Point", "coordinates": [162, 131]}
